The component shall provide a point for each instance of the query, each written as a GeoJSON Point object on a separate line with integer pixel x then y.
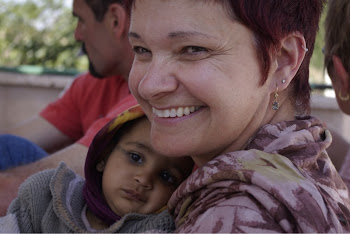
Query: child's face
{"type": "Point", "coordinates": [136, 178]}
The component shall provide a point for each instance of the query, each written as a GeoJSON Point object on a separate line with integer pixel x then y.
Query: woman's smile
{"type": "Point", "coordinates": [175, 111]}
{"type": "Point", "coordinates": [188, 78]}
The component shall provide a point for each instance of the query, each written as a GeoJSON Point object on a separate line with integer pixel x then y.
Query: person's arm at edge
{"type": "Point", "coordinates": [338, 150]}
{"type": "Point", "coordinates": [42, 133]}
{"type": "Point", "coordinates": [10, 180]}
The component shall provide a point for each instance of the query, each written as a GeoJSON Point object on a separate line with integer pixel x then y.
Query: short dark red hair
{"type": "Point", "coordinates": [270, 21]}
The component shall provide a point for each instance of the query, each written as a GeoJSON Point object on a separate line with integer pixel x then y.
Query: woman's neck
{"type": "Point", "coordinates": [270, 116]}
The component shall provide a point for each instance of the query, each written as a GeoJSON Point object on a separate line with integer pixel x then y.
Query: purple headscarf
{"type": "Point", "coordinates": [92, 192]}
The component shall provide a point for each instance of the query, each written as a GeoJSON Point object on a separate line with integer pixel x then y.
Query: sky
{"type": "Point", "coordinates": [68, 3]}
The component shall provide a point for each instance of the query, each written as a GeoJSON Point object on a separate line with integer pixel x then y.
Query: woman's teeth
{"type": "Point", "coordinates": [175, 112]}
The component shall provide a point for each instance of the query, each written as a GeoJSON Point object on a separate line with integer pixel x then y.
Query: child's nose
{"type": "Point", "coordinates": [145, 180]}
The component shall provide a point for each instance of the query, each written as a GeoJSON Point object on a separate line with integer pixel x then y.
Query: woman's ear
{"type": "Point", "coordinates": [289, 59]}
{"type": "Point", "coordinates": [101, 166]}
{"type": "Point", "coordinates": [118, 19]}
{"type": "Point", "coordinates": [340, 77]}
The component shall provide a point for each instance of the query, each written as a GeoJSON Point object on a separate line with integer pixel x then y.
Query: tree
{"type": "Point", "coordinates": [39, 32]}
{"type": "Point", "coordinates": [317, 59]}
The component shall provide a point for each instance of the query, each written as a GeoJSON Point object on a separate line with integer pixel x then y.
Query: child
{"type": "Point", "coordinates": [126, 189]}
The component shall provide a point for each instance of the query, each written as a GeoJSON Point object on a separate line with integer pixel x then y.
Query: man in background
{"type": "Point", "coordinates": [66, 127]}
{"type": "Point", "coordinates": [337, 63]}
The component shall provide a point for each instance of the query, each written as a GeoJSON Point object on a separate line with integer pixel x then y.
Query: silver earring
{"type": "Point", "coordinates": [283, 81]}
{"type": "Point", "coordinates": [304, 48]}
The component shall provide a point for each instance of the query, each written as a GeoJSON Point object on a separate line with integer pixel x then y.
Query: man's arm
{"type": "Point", "coordinates": [42, 133]}
{"type": "Point", "coordinates": [338, 150]}
{"type": "Point", "coordinates": [74, 156]}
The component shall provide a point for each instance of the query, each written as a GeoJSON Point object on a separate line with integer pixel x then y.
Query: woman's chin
{"type": "Point", "coordinates": [170, 149]}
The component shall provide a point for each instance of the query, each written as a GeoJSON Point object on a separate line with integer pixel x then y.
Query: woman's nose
{"type": "Point", "coordinates": [158, 81]}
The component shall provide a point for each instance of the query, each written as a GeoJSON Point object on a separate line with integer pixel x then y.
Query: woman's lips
{"type": "Point", "coordinates": [175, 112]}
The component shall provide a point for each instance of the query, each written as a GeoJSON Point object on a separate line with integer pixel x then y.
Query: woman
{"type": "Point", "coordinates": [337, 62]}
{"type": "Point", "coordinates": [227, 83]}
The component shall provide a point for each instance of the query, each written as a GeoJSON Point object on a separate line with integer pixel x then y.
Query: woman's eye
{"type": "Point", "coordinates": [168, 178]}
{"type": "Point", "coordinates": [194, 53]}
{"type": "Point", "coordinates": [195, 50]}
{"type": "Point", "coordinates": [140, 50]}
{"type": "Point", "coordinates": [135, 158]}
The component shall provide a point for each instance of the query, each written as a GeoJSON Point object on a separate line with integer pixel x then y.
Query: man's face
{"type": "Point", "coordinates": [92, 69]}
{"type": "Point", "coordinates": [99, 42]}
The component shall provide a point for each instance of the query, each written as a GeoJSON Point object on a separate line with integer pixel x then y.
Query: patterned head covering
{"type": "Point", "coordinates": [93, 186]}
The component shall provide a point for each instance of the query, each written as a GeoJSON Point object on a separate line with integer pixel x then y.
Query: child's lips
{"type": "Point", "coordinates": [133, 195]}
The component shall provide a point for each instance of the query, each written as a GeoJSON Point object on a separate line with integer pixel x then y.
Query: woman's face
{"type": "Point", "coordinates": [196, 75]}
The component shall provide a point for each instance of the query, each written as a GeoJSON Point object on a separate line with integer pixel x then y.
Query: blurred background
{"type": "Point", "coordinates": [39, 33]}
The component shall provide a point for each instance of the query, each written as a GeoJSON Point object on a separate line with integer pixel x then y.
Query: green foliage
{"type": "Point", "coordinates": [317, 57]}
{"type": "Point", "coordinates": [39, 32]}
{"type": "Point", "coordinates": [316, 62]}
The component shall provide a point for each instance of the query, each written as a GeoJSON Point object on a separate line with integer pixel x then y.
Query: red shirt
{"type": "Point", "coordinates": [88, 105]}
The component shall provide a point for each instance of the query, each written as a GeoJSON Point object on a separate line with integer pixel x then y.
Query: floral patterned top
{"type": "Point", "coordinates": [283, 181]}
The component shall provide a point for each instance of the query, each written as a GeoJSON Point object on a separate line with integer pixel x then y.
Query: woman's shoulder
{"type": "Point", "coordinates": [262, 187]}
{"type": "Point", "coordinates": [238, 213]}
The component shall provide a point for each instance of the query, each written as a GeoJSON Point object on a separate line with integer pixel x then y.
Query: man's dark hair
{"type": "Point", "coordinates": [100, 7]}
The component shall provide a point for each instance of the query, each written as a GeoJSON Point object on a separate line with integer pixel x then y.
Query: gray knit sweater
{"type": "Point", "coordinates": [52, 201]}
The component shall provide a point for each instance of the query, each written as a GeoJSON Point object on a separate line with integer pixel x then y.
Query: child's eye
{"type": "Point", "coordinates": [135, 158]}
{"type": "Point", "coordinates": [168, 177]}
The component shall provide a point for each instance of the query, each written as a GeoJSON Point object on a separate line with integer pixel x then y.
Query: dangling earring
{"type": "Point", "coordinates": [344, 99]}
{"type": "Point", "coordinates": [275, 104]}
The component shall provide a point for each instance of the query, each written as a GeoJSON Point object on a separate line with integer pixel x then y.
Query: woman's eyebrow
{"type": "Point", "coordinates": [176, 34]}
{"type": "Point", "coordinates": [134, 35]}
{"type": "Point", "coordinates": [184, 34]}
